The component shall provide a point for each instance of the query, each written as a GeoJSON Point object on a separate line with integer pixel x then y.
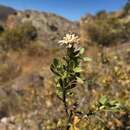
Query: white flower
{"type": "Point", "coordinates": [70, 40]}
{"type": "Point", "coordinates": [5, 120]}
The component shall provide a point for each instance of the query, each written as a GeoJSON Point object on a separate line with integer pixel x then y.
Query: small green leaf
{"type": "Point", "coordinates": [103, 100]}
{"type": "Point", "coordinates": [82, 50]}
{"type": "Point", "coordinates": [54, 70]}
{"type": "Point", "coordinates": [77, 69]}
{"type": "Point", "coordinates": [102, 107]}
{"type": "Point", "coordinates": [115, 104]}
{"type": "Point", "coordinates": [79, 80]}
{"type": "Point", "coordinates": [56, 62]}
{"type": "Point", "coordinates": [64, 75]}
{"type": "Point", "coordinates": [87, 59]}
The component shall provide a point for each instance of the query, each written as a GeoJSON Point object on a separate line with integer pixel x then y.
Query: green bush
{"type": "Point", "coordinates": [126, 32]}
{"type": "Point", "coordinates": [127, 8]}
{"type": "Point", "coordinates": [105, 31]}
{"type": "Point", "coordinates": [18, 37]}
{"type": "Point", "coordinates": [1, 29]}
{"type": "Point", "coordinates": [102, 14]}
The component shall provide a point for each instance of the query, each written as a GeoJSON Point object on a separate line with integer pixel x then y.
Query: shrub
{"type": "Point", "coordinates": [126, 32]}
{"type": "Point", "coordinates": [37, 50]}
{"type": "Point", "coordinates": [127, 8]}
{"type": "Point", "coordinates": [67, 73]}
{"type": "Point", "coordinates": [105, 31]}
{"type": "Point", "coordinates": [18, 37]}
{"type": "Point", "coordinates": [102, 14]}
{"type": "Point", "coordinates": [8, 71]}
{"type": "Point", "coordinates": [1, 29]}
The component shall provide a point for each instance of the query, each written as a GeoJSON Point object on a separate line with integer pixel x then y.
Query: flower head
{"type": "Point", "coordinates": [69, 40]}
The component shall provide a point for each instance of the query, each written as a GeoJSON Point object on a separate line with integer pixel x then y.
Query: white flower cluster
{"type": "Point", "coordinates": [70, 40]}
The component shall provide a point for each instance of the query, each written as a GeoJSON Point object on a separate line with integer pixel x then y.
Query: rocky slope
{"type": "Point", "coordinates": [5, 12]}
{"type": "Point", "coordinates": [50, 27]}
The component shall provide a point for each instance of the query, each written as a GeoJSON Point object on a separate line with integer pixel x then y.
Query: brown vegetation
{"type": "Point", "coordinates": [27, 90]}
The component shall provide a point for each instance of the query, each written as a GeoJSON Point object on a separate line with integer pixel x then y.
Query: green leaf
{"type": "Point", "coordinates": [115, 104]}
{"type": "Point", "coordinates": [79, 80]}
{"type": "Point", "coordinates": [54, 70]}
{"type": "Point", "coordinates": [56, 62]}
{"type": "Point", "coordinates": [103, 100]}
{"type": "Point", "coordinates": [72, 64]}
{"type": "Point", "coordinates": [87, 59]}
{"type": "Point", "coordinates": [61, 82]}
{"type": "Point", "coordinates": [64, 75]}
{"type": "Point", "coordinates": [102, 107]}
{"type": "Point", "coordinates": [78, 70]}
{"type": "Point", "coordinates": [82, 50]}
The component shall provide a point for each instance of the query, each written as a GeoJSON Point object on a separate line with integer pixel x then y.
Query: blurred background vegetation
{"type": "Point", "coordinates": [28, 43]}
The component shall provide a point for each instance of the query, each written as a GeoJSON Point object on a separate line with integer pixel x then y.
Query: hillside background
{"type": "Point", "coordinates": [28, 44]}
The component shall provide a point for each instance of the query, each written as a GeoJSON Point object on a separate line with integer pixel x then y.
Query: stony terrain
{"type": "Point", "coordinates": [50, 27]}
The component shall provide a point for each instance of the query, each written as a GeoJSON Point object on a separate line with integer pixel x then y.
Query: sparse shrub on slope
{"type": "Point", "coordinates": [1, 29]}
{"type": "Point", "coordinates": [8, 71]}
{"type": "Point", "coordinates": [127, 8]}
{"type": "Point", "coordinates": [102, 14]}
{"type": "Point", "coordinates": [18, 37]}
{"type": "Point", "coordinates": [126, 32]}
{"type": "Point", "coordinates": [37, 50]}
{"type": "Point", "coordinates": [107, 30]}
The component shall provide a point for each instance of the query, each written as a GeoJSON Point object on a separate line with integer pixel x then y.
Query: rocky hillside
{"type": "Point", "coordinates": [5, 12]}
{"type": "Point", "coordinates": [50, 27]}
